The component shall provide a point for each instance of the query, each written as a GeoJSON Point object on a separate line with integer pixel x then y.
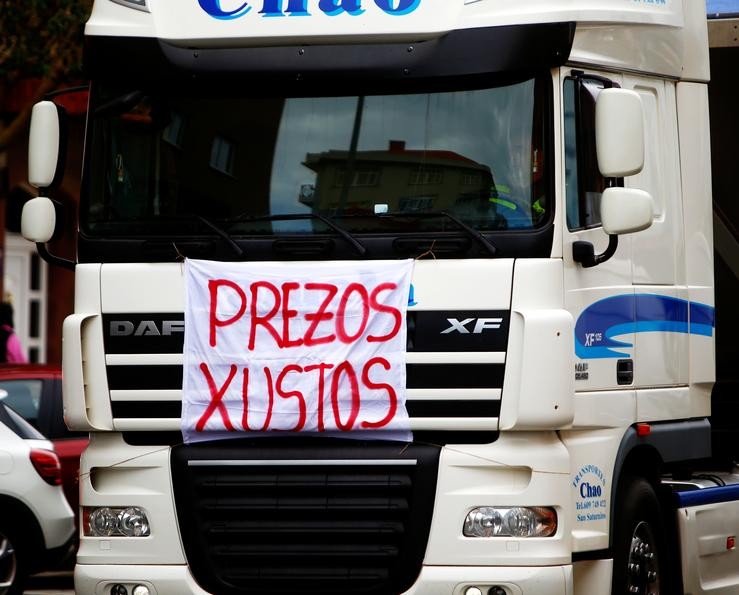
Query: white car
{"type": "Point", "coordinates": [36, 522]}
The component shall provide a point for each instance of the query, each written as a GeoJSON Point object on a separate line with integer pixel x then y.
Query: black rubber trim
{"type": "Point", "coordinates": [354, 518]}
{"type": "Point", "coordinates": [461, 53]}
{"type": "Point", "coordinates": [416, 409]}
{"type": "Point", "coordinates": [437, 437]}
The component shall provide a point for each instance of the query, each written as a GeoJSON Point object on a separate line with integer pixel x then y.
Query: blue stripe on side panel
{"type": "Point", "coordinates": [620, 315]}
{"type": "Point", "coordinates": [703, 496]}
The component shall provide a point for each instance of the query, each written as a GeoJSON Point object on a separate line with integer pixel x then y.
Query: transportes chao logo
{"type": "Point", "coordinates": [234, 9]}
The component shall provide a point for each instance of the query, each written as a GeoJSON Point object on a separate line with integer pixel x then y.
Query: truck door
{"type": "Point", "coordinates": [599, 297]}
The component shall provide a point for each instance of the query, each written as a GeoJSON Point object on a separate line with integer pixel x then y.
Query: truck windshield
{"type": "Point", "coordinates": [160, 161]}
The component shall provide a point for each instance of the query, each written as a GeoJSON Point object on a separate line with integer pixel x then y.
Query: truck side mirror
{"type": "Point", "coordinates": [38, 220]}
{"type": "Point", "coordinates": [626, 210]}
{"type": "Point", "coordinates": [619, 133]}
{"type": "Point", "coordinates": [45, 157]}
{"type": "Point", "coordinates": [619, 146]}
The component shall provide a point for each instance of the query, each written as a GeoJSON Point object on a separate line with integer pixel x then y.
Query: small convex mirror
{"type": "Point", "coordinates": [626, 210]}
{"type": "Point", "coordinates": [38, 220]}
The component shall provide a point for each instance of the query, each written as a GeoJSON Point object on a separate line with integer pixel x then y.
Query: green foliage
{"type": "Point", "coordinates": [41, 38]}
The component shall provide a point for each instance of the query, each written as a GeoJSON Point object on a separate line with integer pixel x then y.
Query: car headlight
{"type": "Point", "coordinates": [130, 521]}
{"type": "Point", "coordinates": [516, 521]}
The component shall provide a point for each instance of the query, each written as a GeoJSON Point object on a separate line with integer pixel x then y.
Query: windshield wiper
{"type": "Point", "coordinates": [222, 233]}
{"type": "Point", "coordinates": [471, 231]}
{"type": "Point", "coordinates": [119, 105]}
{"type": "Point", "coordinates": [358, 246]}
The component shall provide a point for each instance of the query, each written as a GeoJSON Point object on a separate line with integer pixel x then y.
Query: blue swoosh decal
{"type": "Point", "coordinates": [640, 313]}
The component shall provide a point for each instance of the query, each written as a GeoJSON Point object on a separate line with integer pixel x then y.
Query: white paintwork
{"type": "Point", "coordinates": [468, 285]}
{"type": "Point", "coordinates": [20, 481]}
{"type": "Point", "coordinates": [592, 457]}
{"type": "Point", "coordinates": [433, 580]}
{"type": "Point", "coordinates": [695, 160]}
{"type": "Point", "coordinates": [174, 21]}
{"type": "Point", "coordinates": [113, 473]}
{"type": "Point", "coordinates": [38, 220]}
{"type": "Point", "coordinates": [619, 133]}
{"type": "Point", "coordinates": [520, 468]}
{"type": "Point", "coordinates": [661, 358]}
{"type": "Point", "coordinates": [539, 383]}
{"type": "Point", "coordinates": [708, 566]}
{"type": "Point", "coordinates": [658, 252]}
{"type": "Point", "coordinates": [84, 379]}
{"type": "Point", "coordinates": [43, 144]}
{"type": "Point", "coordinates": [604, 409]}
{"type": "Point", "coordinates": [593, 577]}
{"type": "Point", "coordinates": [664, 38]}
{"type": "Point", "coordinates": [626, 210]}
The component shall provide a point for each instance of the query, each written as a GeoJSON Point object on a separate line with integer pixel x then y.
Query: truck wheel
{"type": "Point", "coordinates": [12, 562]}
{"type": "Point", "coordinates": [639, 548]}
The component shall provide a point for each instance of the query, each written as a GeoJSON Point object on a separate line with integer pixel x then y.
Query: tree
{"type": "Point", "coordinates": [40, 41]}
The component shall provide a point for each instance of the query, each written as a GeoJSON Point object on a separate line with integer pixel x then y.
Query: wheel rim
{"type": "Point", "coordinates": [8, 564]}
{"type": "Point", "coordinates": [643, 565]}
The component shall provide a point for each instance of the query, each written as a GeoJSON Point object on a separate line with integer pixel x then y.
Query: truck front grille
{"type": "Point", "coordinates": [308, 517]}
{"type": "Point", "coordinates": [454, 381]}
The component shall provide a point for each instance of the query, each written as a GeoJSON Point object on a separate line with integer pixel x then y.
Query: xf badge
{"type": "Point", "coordinates": [481, 324]}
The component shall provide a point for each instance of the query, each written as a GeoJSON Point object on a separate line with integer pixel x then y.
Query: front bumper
{"type": "Point", "coordinates": [433, 580]}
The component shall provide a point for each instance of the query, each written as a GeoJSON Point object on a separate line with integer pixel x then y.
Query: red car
{"type": "Point", "coordinates": [35, 392]}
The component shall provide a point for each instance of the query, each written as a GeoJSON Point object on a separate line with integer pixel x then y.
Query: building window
{"type": "Point", "coordinates": [416, 203]}
{"type": "Point", "coordinates": [361, 177]}
{"type": "Point", "coordinates": [471, 179]}
{"type": "Point", "coordinates": [174, 131]}
{"type": "Point", "coordinates": [426, 175]}
{"type": "Point", "coordinates": [222, 155]}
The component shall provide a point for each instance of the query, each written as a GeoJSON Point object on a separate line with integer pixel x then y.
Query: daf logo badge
{"type": "Point", "coordinates": [145, 328]}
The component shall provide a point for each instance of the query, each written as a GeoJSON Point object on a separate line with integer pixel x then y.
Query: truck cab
{"type": "Point", "coordinates": [545, 169]}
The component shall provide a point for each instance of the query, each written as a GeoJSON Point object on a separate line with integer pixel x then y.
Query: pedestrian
{"type": "Point", "coordinates": [11, 351]}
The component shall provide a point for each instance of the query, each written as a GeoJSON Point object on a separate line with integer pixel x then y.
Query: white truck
{"type": "Point", "coordinates": [547, 166]}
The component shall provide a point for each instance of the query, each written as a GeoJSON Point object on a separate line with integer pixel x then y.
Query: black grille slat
{"type": "Point", "coordinates": [353, 481]}
{"type": "Point", "coordinates": [169, 377]}
{"type": "Point", "coordinates": [301, 527]}
{"type": "Point", "coordinates": [356, 525]}
{"type": "Point", "coordinates": [164, 333]}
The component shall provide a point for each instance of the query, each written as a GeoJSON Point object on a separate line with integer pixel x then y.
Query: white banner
{"type": "Point", "coordinates": [295, 347]}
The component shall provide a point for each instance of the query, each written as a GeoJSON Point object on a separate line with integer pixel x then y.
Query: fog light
{"type": "Point", "coordinates": [519, 521]}
{"type": "Point", "coordinates": [472, 591]}
{"type": "Point", "coordinates": [130, 521]}
{"type": "Point", "coordinates": [141, 590]}
{"type": "Point", "coordinates": [118, 590]}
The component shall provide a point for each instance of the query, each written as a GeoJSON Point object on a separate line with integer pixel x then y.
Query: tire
{"type": "Point", "coordinates": [13, 561]}
{"type": "Point", "coordinates": [639, 544]}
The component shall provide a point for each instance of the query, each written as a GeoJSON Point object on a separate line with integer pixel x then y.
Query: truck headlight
{"type": "Point", "coordinates": [518, 521]}
{"type": "Point", "coordinates": [130, 521]}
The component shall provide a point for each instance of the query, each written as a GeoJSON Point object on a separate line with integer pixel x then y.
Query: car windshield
{"type": "Point", "coordinates": [162, 160]}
